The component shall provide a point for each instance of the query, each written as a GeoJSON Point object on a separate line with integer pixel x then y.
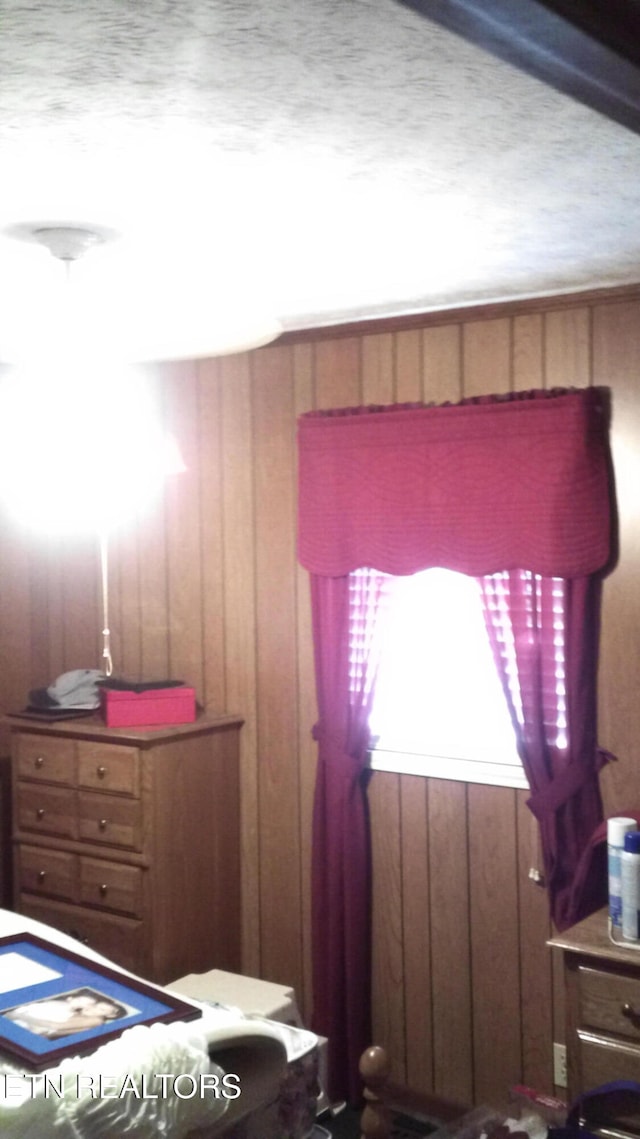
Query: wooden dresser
{"type": "Point", "coordinates": [602, 985]}
{"type": "Point", "coordinates": [129, 839]}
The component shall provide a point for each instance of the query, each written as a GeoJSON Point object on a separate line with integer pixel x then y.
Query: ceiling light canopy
{"type": "Point", "coordinates": [64, 242]}
{"type": "Point", "coordinates": [98, 295]}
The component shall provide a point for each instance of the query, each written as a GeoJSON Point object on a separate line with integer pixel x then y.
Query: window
{"type": "Point", "coordinates": [439, 706]}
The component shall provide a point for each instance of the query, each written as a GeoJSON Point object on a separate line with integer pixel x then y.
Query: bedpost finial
{"type": "Point", "coordinates": [374, 1069]}
{"type": "Point", "coordinates": [374, 1065]}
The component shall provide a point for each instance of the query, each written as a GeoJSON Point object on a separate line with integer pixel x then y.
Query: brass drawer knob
{"type": "Point", "coordinates": [103, 890]}
{"type": "Point", "coordinates": [630, 1012]}
{"type": "Point", "coordinates": [40, 813]}
{"type": "Point", "coordinates": [38, 761]}
{"type": "Point", "coordinates": [102, 824]}
{"type": "Point", "coordinates": [42, 875]}
{"type": "Point", "coordinates": [101, 771]}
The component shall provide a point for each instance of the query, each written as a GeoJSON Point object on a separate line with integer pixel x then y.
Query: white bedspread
{"type": "Point", "coordinates": [140, 1085]}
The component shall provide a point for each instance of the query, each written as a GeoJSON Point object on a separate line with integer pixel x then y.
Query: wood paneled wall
{"type": "Point", "coordinates": [206, 587]}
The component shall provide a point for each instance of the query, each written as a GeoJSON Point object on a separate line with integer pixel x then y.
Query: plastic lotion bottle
{"type": "Point", "coordinates": [616, 830]}
{"type": "Point", "coordinates": [630, 862]}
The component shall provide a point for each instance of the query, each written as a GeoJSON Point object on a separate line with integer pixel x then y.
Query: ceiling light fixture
{"type": "Point", "coordinates": [141, 305]}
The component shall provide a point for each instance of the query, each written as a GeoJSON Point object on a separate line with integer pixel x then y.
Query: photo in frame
{"type": "Point", "coordinates": [56, 1003]}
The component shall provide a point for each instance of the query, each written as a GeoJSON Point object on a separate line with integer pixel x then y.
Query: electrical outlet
{"type": "Point", "coordinates": [560, 1065]}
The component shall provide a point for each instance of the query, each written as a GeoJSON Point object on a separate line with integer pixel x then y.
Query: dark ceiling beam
{"type": "Point", "coordinates": [588, 49]}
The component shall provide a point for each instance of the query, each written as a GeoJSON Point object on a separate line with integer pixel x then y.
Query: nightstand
{"type": "Point", "coordinates": [602, 984]}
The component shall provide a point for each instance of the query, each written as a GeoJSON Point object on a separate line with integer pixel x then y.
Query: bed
{"type": "Point", "coordinates": [221, 1073]}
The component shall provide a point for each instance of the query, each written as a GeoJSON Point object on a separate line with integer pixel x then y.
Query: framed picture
{"type": "Point", "coordinates": [56, 1003]}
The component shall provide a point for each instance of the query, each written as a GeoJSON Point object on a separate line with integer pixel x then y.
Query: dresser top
{"type": "Point", "coordinates": [591, 936]}
{"type": "Point", "coordinates": [94, 728]}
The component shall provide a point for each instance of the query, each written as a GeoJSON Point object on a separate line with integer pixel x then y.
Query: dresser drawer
{"type": "Point", "coordinates": [602, 1061]}
{"type": "Point", "coordinates": [108, 767]}
{"type": "Point", "coordinates": [47, 759]}
{"type": "Point", "coordinates": [53, 873]}
{"type": "Point", "coordinates": [111, 886]}
{"type": "Point", "coordinates": [109, 819]}
{"type": "Point", "coordinates": [609, 1001]}
{"type": "Point", "coordinates": [46, 810]}
{"type": "Point", "coordinates": [118, 938]}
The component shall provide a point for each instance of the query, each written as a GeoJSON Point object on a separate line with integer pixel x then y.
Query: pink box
{"type": "Point", "coordinates": [121, 708]}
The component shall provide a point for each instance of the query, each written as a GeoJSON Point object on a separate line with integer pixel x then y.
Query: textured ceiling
{"type": "Point", "coordinates": [333, 158]}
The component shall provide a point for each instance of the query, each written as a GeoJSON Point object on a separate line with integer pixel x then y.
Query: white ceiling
{"type": "Point", "coordinates": [333, 159]}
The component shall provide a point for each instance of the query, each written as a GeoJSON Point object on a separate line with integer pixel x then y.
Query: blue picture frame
{"type": "Point", "coordinates": [56, 1003]}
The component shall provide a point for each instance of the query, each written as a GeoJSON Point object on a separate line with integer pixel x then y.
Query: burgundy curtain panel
{"type": "Point", "coordinates": [345, 615]}
{"type": "Point", "coordinates": [544, 636]}
{"type": "Point", "coordinates": [485, 486]}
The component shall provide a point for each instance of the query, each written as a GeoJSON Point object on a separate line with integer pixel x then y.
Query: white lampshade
{"type": "Point", "coordinates": [82, 446]}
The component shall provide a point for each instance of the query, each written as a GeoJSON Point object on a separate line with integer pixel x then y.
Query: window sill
{"type": "Point", "coordinates": [444, 767]}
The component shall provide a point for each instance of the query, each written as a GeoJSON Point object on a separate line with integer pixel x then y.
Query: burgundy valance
{"type": "Point", "coordinates": [501, 482]}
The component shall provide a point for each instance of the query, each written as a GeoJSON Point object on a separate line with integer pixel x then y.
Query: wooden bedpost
{"type": "Point", "coordinates": [374, 1069]}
